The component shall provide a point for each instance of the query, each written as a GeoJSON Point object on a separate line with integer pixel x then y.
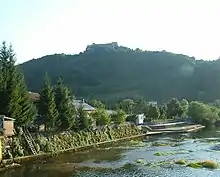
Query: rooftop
{"type": "Point", "coordinates": [34, 96]}
{"type": "Point", "coordinates": [85, 106]}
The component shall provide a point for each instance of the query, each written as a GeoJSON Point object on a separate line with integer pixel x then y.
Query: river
{"type": "Point", "coordinates": [150, 157]}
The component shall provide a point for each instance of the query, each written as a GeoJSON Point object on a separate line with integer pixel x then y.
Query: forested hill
{"type": "Point", "coordinates": [111, 72]}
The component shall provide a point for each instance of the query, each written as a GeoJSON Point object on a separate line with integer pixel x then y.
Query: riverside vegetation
{"type": "Point", "coordinates": [55, 142]}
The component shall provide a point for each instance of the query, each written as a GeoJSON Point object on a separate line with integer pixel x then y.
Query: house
{"type": "Point", "coordinates": [6, 126]}
{"type": "Point", "coordinates": [34, 96]}
{"type": "Point", "coordinates": [139, 119]}
{"type": "Point", "coordinates": [85, 106]}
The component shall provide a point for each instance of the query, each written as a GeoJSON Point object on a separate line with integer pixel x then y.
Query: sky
{"type": "Point", "coordinates": [41, 27]}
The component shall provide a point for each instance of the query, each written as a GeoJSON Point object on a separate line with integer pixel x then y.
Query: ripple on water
{"type": "Point", "coordinates": [176, 171]}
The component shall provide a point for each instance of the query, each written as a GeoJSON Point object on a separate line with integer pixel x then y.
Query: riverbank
{"type": "Point", "coordinates": [129, 158]}
{"type": "Point", "coordinates": [50, 144]}
{"type": "Point", "coordinates": [44, 156]}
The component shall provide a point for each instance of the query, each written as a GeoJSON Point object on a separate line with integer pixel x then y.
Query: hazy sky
{"type": "Point", "coordinates": [40, 27]}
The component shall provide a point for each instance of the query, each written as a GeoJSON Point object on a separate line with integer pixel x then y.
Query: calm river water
{"type": "Point", "coordinates": [111, 161]}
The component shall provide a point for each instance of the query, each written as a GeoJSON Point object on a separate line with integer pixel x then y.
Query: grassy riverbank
{"type": "Point", "coordinates": [53, 143]}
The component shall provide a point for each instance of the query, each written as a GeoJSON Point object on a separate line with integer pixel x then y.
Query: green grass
{"type": "Point", "coordinates": [170, 153]}
{"type": "Point", "coordinates": [137, 143]}
{"type": "Point", "coordinates": [181, 162]}
{"type": "Point", "coordinates": [160, 144]}
{"type": "Point", "coordinates": [157, 164]}
{"type": "Point", "coordinates": [198, 164]}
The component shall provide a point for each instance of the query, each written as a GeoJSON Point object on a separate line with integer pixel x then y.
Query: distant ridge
{"type": "Point", "coordinates": [111, 72]}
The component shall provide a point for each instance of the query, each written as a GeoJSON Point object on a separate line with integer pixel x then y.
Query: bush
{"type": "Point", "coordinates": [203, 114]}
{"type": "Point", "coordinates": [101, 117]}
{"type": "Point", "coordinates": [119, 117]}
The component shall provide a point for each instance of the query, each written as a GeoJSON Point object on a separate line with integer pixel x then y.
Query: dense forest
{"type": "Point", "coordinates": [110, 73]}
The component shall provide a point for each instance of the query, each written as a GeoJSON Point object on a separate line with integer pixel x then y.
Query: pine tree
{"type": "Point", "coordinates": [15, 101]}
{"type": "Point", "coordinates": [47, 106]}
{"type": "Point", "coordinates": [4, 97]}
{"type": "Point", "coordinates": [82, 122]}
{"type": "Point", "coordinates": [29, 110]}
{"type": "Point", "coordinates": [63, 100]}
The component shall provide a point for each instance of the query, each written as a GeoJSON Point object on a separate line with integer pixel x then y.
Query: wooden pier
{"type": "Point", "coordinates": [165, 128]}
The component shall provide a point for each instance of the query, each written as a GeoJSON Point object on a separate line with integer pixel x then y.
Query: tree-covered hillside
{"type": "Point", "coordinates": [110, 72]}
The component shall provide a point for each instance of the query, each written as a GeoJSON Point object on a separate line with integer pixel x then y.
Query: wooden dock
{"type": "Point", "coordinates": [167, 124]}
{"type": "Point", "coordinates": [182, 129]}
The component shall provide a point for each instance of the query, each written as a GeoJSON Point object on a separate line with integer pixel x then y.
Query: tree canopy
{"type": "Point", "coordinates": [153, 112]}
{"type": "Point", "coordinates": [119, 117]}
{"type": "Point", "coordinates": [101, 117]}
{"type": "Point", "coordinates": [174, 108]}
{"type": "Point", "coordinates": [203, 113]}
{"type": "Point", "coordinates": [97, 104]}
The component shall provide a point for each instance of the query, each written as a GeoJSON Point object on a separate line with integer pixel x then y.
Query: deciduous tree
{"type": "Point", "coordinates": [153, 112]}
{"type": "Point", "coordinates": [202, 113]}
{"type": "Point", "coordinates": [97, 104]}
{"type": "Point", "coordinates": [174, 108]}
{"type": "Point", "coordinates": [101, 117]}
{"type": "Point", "coordinates": [127, 105]}
{"type": "Point", "coordinates": [119, 117]}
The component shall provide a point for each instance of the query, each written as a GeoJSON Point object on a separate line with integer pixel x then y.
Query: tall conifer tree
{"type": "Point", "coordinates": [15, 101]}
{"type": "Point", "coordinates": [47, 106]}
{"type": "Point", "coordinates": [82, 121]}
{"type": "Point", "coordinates": [64, 104]}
